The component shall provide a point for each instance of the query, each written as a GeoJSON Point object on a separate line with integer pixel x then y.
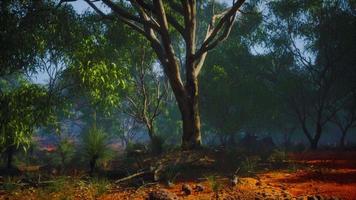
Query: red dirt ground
{"type": "Point", "coordinates": [327, 174]}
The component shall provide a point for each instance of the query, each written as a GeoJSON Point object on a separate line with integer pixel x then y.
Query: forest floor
{"type": "Point", "coordinates": [310, 175]}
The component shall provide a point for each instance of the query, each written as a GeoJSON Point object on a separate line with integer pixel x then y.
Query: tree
{"type": "Point", "coordinates": [312, 73]}
{"type": "Point", "coordinates": [96, 72]}
{"type": "Point", "coordinates": [235, 95]}
{"type": "Point", "coordinates": [345, 118]}
{"type": "Point", "coordinates": [148, 93]}
{"type": "Point", "coordinates": [27, 29]}
{"type": "Point", "coordinates": [24, 107]}
{"type": "Point", "coordinates": [156, 21]}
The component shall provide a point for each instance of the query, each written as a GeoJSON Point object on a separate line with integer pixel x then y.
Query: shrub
{"type": "Point", "coordinates": [215, 185]}
{"type": "Point", "coordinates": [249, 164]}
{"type": "Point", "coordinates": [9, 184]}
{"type": "Point", "coordinates": [100, 186]}
{"type": "Point", "coordinates": [95, 146]}
{"type": "Point", "coordinates": [65, 151]}
{"type": "Point", "coordinates": [278, 156]}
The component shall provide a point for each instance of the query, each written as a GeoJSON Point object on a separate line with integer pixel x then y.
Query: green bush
{"type": "Point", "coordinates": [215, 186]}
{"type": "Point", "coordinates": [278, 156]}
{"type": "Point", "coordinates": [100, 185]}
{"type": "Point", "coordinates": [249, 164]}
{"type": "Point", "coordinates": [9, 184]}
{"type": "Point", "coordinates": [95, 147]}
{"type": "Point", "coordinates": [57, 184]}
{"type": "Point", "coordinates": [66, 152]}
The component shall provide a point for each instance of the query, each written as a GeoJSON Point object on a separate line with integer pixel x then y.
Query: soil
{"type": "Point", "coordinates": [317, 175]}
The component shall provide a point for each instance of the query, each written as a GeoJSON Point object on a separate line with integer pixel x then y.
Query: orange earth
{"type": "Point", "coordinates": [329, 175]}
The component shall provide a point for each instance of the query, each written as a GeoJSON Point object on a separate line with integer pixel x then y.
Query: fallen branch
{"type": "Point", "coordinates": [133, 176]}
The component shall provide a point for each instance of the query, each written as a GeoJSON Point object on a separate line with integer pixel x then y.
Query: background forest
{"type": "Point", "coordinates": [86, 90]}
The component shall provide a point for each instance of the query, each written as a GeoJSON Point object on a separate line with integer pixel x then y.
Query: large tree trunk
{"type": "Point", "coordinates": [156, 141]}
{"type": "Point", "coordinates": [189, 108]}
{"type": "Point", "coordinates": [313, 144]}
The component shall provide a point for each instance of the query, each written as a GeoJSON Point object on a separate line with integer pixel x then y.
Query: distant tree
{"type": "Point", "coordinates": [235, 94]}
{"type": "Point", "coordinates": [310, 75]}
{"type": "Point", "coordinates": [156, 21]}
{"type": "Point", "coordinates": [345, 118]}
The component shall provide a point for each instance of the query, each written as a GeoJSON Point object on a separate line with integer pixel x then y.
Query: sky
{"type": "Point", "coordinates": [81, 6]}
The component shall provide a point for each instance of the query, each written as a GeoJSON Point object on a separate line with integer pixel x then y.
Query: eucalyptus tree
{"type": "Point", "coordinates": [235, 95]}
{"type": "Point", "coordinates": [34, 38]}
{"type": "Point", "coordinates": [96, 72]}
{"type": "Point", "coordinates": [313, 42]}
{"type": "Point", "coordinates": [157, 20]}
{"type": "Point", "coordinates": [148, 92]}
{"type": "Point", "coordinates": [345, 119]}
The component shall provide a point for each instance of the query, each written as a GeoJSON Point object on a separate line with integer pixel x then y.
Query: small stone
{"type": "Point", "coordinates": [162, 195]}
{"type": "Point", "coordinates": [199, 188]}
{"type": "Point", "coordinates": [258, 183]}
{"type": "Point", "coordinates": [170, 184]}
{"type": "Point", "coordinates": [186, 189]}
{"type": "Point", "coordinates": [234, 180]}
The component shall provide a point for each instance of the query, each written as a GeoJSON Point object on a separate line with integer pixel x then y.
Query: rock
{"type": "Point", "coordinates": [170, 184]}
{"type": "Point", "coordinates": [162, 195]}
{"type": "Point", "coordinates": [186, 189]}
{"type": "Point", "coordinates": [234, 180]}
{"type": "Point", "coordinates": [199, 188]}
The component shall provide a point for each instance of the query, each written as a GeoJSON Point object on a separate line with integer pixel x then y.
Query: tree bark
{"type": "Point", "coordinates": [189, 109]}
{"type": "Point", "coordinates": [156, 141]}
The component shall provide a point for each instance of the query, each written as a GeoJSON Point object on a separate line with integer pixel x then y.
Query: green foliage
{"type": "Point", "coordinates": [215, 185]}
{"type": "Point", "coordinates": [66, 151]}
{"type": "Point", "coordinates": [10, 184]}
{"type": "Point", "coordinates": [249, 164]}
{"type": "Point", "coordinates": [278, 156]}
{"type": "Point", "coordinates": [172, 172]}
{"type": "Point", "coordinates": [95, 147]}
{"type": "Point", "coordinates": [23, 108]}
{"type": "Point", "coordinates": [235, 95]}
{"type": "Point", "coordinates": [100, 185]}
{"type": "Point", "coordinates": [57, 185]}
